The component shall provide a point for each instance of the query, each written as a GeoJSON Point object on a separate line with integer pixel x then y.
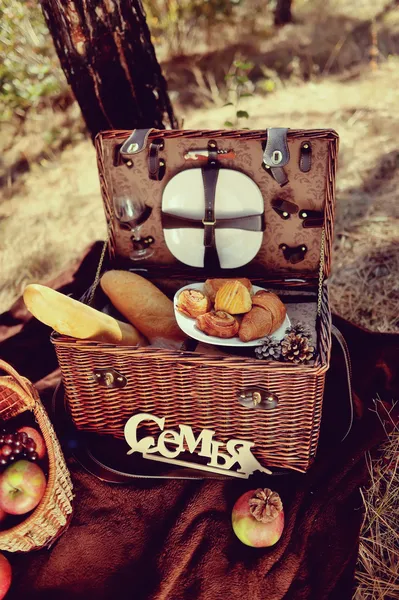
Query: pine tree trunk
{"type": "Point", "coordinates": [282, 12]}
{"type": "Point", "coordinates": [106, 52]}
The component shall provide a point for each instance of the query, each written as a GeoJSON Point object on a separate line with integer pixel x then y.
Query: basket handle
{"type": "Point", "coordinates": [23, 382]}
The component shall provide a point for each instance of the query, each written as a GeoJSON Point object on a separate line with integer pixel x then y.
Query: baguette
{"type": "Point", "coordinates": [144, 305]}
{"type": "Point", "coordinates": [70, 317]}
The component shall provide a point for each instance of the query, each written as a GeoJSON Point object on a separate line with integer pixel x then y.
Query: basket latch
{"type": "Point", "coordinates": [258, 398]}
{"type": "Point", "coordinates": [276, 154]}
{"type": "Point", "coordinates": [135, 143]}
{"type": "Point", "coordinates": [109, 378]}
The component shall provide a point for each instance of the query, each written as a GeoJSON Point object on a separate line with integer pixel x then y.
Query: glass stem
{"type": "Point", "coordinates": [136, 234]}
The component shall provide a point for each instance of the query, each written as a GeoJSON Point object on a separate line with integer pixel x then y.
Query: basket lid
{"type": "Point", "coordinates": [286, 178]}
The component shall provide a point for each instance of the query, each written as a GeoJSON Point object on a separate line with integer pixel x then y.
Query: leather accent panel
{"type": "Point", "coordinates": [135, 143]}
{"type": "Point", "coordinates": [305, 157]}
{"type": "Point", "coordinates": [294, 255]}
{"type": "Point", "coordinates": [276, 154]}
{"type": "Point", "coordinates": [311, 218]}
{"type": "Point", "coordinates": [279, 175]}
{"type": "Point", "coordinates": [282, 206]}
{"type": "Point", "coordinates": [156, 165]}
{"type": "Point", "coordinates": [307, 190]}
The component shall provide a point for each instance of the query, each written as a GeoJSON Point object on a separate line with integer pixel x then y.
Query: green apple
{"type": "Point", "coordinates": [22, 486]}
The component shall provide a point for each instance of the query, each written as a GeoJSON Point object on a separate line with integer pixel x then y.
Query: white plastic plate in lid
{"type": "Point", "coordinates": [189, 327]}
{"type": "Point", "coordinates": [236, 195]}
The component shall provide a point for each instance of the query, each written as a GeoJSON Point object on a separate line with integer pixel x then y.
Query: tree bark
{"type": "Point", "coordinates": [282, 12]}
{"type": "Point", "coordinates": [106, 53]}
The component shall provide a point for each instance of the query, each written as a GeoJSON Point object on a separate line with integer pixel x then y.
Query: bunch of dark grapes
{"type": "Point", "coordinates": [16, 446]}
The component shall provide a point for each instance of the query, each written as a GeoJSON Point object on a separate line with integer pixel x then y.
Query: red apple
{"type": "Point", "coordinates": [22, 486]}
{"type": "Point", "coordinates": [258, 518]}
{"type": "Point", "coordinates": [3, 515]}
{"type": "Point", "coordinates": [37, 438]}
{"type": "Point", "coordinates": [5, 576]}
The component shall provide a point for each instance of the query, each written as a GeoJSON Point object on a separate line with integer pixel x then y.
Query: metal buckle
{"type": "Point", "coordinates": [110, 378]}
{"type": "Point", "coordinates": [208, 222]}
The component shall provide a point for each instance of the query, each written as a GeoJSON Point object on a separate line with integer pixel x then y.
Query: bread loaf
{"type": "Point", "coordinates": [70, 317]}
{"type": "Point", "coordinates": [144, 305]}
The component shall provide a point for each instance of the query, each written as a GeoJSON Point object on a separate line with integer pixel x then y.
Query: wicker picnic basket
{"type": "Point", "coordinates": [193, 388]}
{"type": "Point", "coordinates": [52, 515]}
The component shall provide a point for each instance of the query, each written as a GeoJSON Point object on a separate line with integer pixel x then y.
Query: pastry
{"type": "Point", "coordinates": [193, 303]}
{"type": "Point", "coordinates": [219, 324]}
{"type": "Point", "coordinates": [211, 286]}
{"type": "Point", "coordinates": [265, 317]}
{"type": "Point", "coordinates": [70, 317]}
{"type": "Point", "coordinates": [144, 305]}
{"type": "Point", "coordinates": [234, 298]}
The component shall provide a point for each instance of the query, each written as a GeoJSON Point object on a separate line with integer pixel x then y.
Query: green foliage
{"type": "Point", "coordinates": [29, 71]}
{"type": "Point", "coordinates": [240, 85]}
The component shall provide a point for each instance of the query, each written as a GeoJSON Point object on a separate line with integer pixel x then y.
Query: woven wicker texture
{"type": "Point", "coordinates": [197, 390]}
{"type": "Point", "coordinates": [51, 516]}
{"type": "Point", "coordinates": [188, 388]}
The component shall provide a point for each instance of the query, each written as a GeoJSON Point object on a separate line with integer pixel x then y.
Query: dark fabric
{"type": "Point", "coordinates": [172, 540]}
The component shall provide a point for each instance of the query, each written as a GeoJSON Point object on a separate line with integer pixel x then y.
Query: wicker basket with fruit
{"type": "Point", "coordinates": [35, 485]}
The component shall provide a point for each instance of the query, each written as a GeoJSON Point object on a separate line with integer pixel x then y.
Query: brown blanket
{"type": "Point", "coordinates": [172, 540]}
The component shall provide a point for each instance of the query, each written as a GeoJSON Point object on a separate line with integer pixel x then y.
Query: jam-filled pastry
{"type": "Point", "coordinates": [234, 298]}
{"type": "Point", "coordinates": [193, 303]}
{"type": "Point", "coordinates": [212, 286]}
{"type": "Point", "coordinates": [219, 324]}
{"type": "Point", "coordinates": [267, 315]}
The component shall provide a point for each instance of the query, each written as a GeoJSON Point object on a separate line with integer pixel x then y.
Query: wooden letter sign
{"type": "Point", "coordinates": [169, 444]}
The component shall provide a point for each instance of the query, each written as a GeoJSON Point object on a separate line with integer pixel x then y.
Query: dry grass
{"type": "Point", "coordinates": [364, 283]}
{"type": "Point", "coordinates": [377, 574]}
{"type": "Point", "coordinates": [53, 212]}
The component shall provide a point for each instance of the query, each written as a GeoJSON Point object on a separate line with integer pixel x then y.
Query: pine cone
{"type": "Point", "coordinates": [265, 505]}
{"type": "Point", "coordinates": [269, 350]}
{"type": "Point", "coordinates": [300, 329]}
{"type": "Point", "coordinates": [296, 348]}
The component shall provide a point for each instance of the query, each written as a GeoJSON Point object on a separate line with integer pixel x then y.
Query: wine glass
{"type": "Point", "coordinates": [131, 213]}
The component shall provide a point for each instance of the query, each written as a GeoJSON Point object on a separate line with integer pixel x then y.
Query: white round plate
{"type": "Point", "coordinates": [189, 327]}
{"type": "Point", "coordinates": [236, 195]}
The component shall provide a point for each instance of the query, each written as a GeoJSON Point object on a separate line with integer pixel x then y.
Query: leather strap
{"type": "Point", "coordinates": [250, 223]}
{"type": "Point", "coordinates": [311, 218]}
{"type": "Point", "coordinates": [344, 347]}
{"type": "Point", "coordinates": [305, 157]}
{"type": "Point", "coordinates": [210, 176]}
{"type": "Point", "coordinates": [279, 175]}
{"type": "Point", "coordinates": [281, 206]}
{"type": "Point", "coordinates": [156, 166]}
{"type": "Point", "coordinates": [342, 342]}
